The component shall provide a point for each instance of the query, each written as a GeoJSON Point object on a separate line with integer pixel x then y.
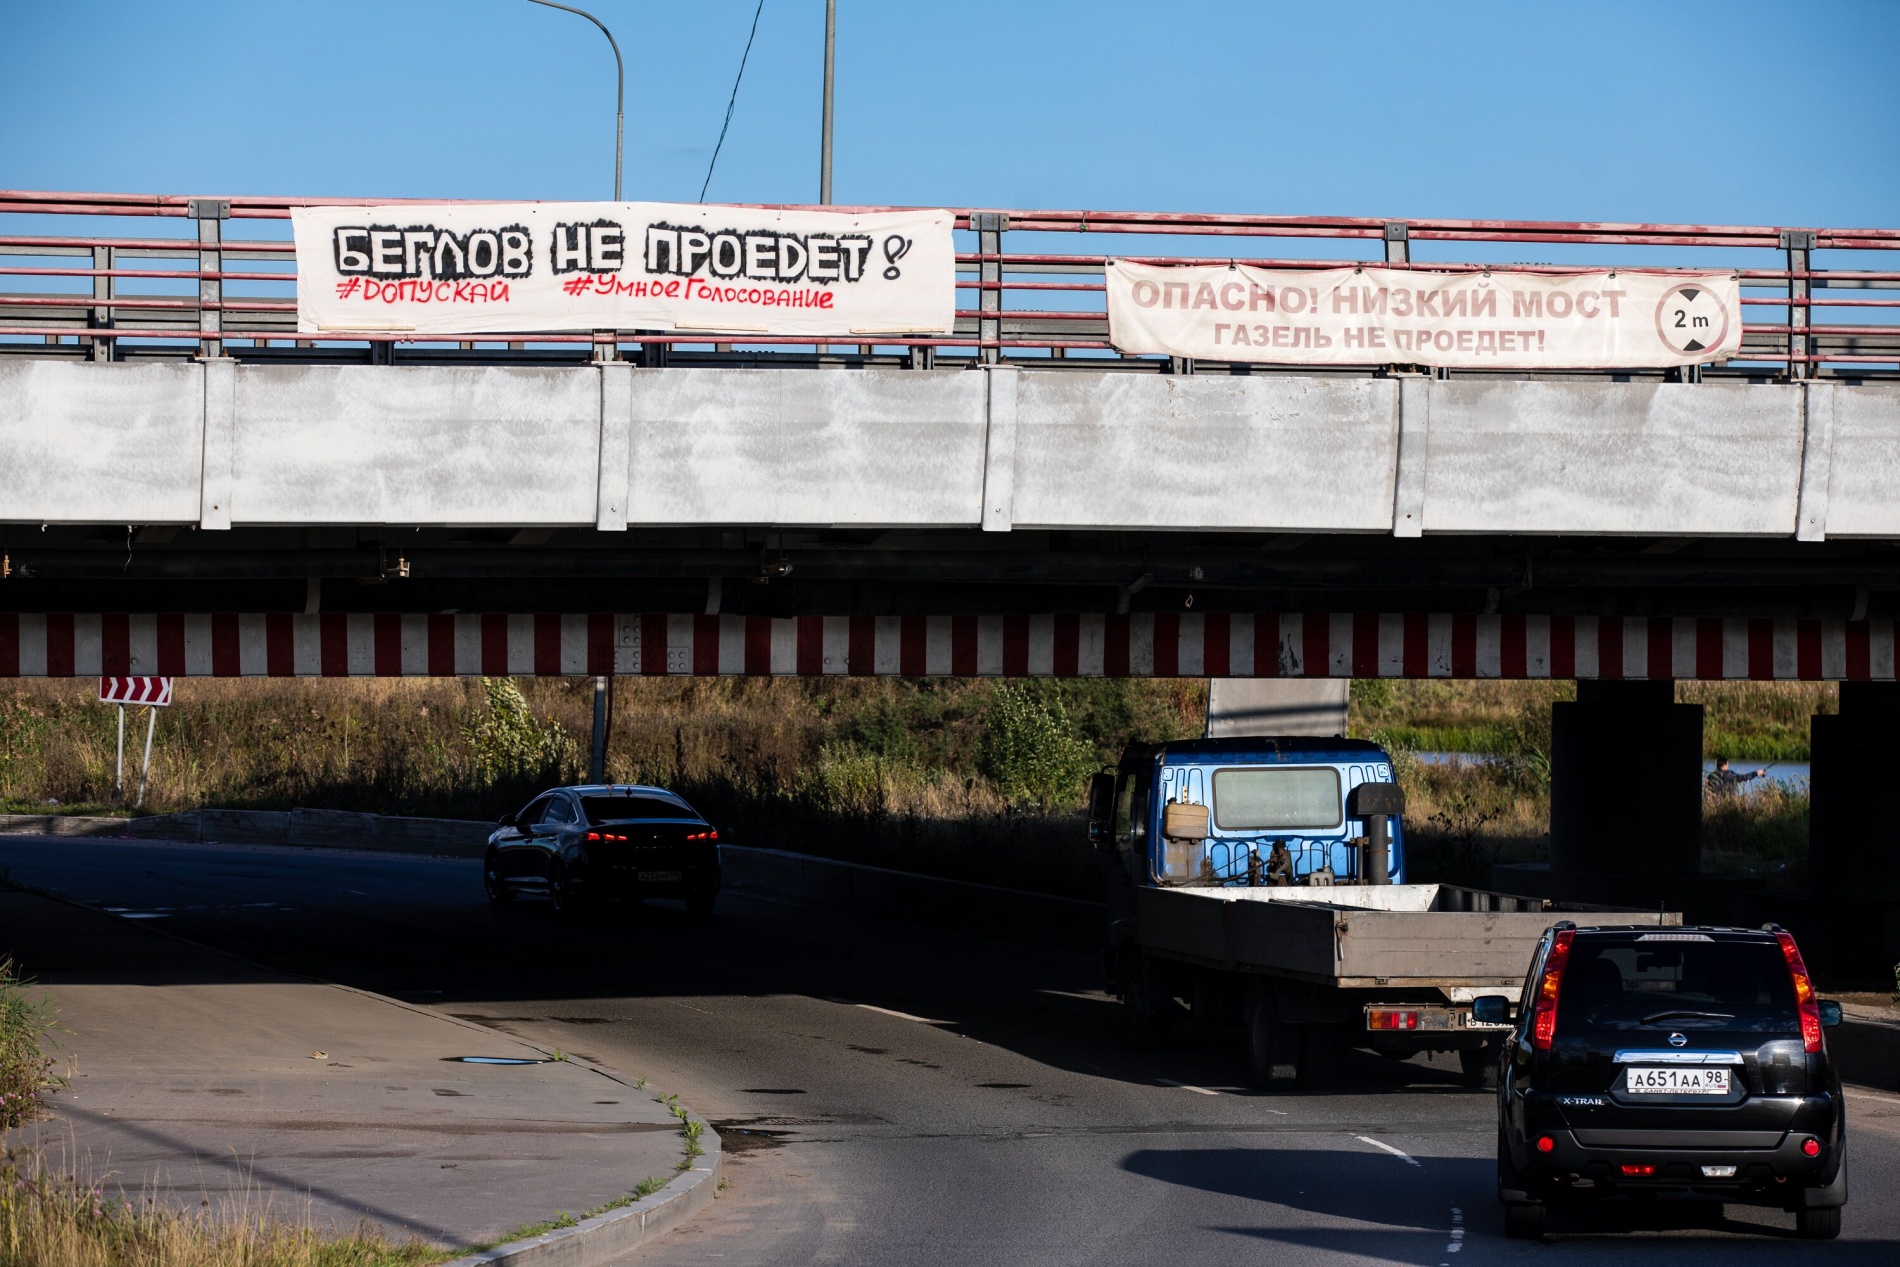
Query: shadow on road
{"type": "Point", "coordinates": [1332, 1184]}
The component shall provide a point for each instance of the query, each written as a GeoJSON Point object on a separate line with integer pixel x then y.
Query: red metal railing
{"type": "Point", "coordinates": [991, 330]}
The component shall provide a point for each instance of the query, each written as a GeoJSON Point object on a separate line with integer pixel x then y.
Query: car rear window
{"type": "Point", "coordinates": [1676, 984]}
{"type": "Point", "coordinates": [615, 809]}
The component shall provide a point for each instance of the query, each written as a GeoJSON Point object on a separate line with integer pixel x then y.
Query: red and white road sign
{"type": "Point", "coordinates": [154, 691]}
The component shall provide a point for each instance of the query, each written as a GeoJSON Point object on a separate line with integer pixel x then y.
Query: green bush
{"type": "Point", "coordinates": [1031, 749]}
{"type": "Point", "coordinates": [508, 744]}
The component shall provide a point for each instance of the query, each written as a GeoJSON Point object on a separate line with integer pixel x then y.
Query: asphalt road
{"type": "Point", "coordinates": [897, 1096]}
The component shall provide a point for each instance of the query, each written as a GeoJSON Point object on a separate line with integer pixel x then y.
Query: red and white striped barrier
{"type": "Point", "coordinates": [1161, 644]}
{"type": "Point", "coordinates": [155, 692]}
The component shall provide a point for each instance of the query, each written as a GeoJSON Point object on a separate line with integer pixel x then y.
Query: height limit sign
{"type": "Point", "coordinates": [1690, 318]}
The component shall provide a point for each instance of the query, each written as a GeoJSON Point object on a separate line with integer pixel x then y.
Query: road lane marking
{"type": "Point", "coordinates": [1385, 1147]}
{"type": "Point", "coordinates": [1858, 1094]}
{"type": "Point", "coordinates": [902, 1016]}
{"type": "Point", "coordinates": [1185, 1086]}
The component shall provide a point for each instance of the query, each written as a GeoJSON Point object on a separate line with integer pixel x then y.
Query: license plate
{"type": "Point", "coordinates": [662, 877]}
{"type": "Point", "coordinates": [1678, 1081]}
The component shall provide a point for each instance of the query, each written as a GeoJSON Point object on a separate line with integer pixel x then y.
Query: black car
{"type": "Point", "coordinates": [1651, 1063]}
{"type": "Point", "coordinates": [587, 844]}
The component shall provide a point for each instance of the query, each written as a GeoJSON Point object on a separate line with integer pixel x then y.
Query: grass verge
{"type": "Point", "coordinates": [26, 1071]}
{"type": "Point", "coordinates": [53, 1218]}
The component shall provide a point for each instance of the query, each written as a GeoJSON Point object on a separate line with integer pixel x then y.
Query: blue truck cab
{"type": "Point", "coordinates": [1278, 811]}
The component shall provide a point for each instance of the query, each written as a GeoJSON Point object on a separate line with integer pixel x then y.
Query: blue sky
{"type": "Point", "coordinates": [1735, 112]}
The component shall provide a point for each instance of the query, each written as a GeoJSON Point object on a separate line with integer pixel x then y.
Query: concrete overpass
{"type": "Point", "coordinates": [171, 445]}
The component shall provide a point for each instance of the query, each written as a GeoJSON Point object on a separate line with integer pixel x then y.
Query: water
{"type": "Point", "coordinates": [1792, 775]}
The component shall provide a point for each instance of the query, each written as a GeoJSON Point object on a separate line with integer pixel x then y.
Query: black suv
{"type": "Point", "coordinates": [581, 845]}
{"type": "Point", "coordinates": [1669, 1062]}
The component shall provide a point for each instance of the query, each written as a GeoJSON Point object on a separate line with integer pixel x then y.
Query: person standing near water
{"type": "Point", "coordinates": [1726, 782]}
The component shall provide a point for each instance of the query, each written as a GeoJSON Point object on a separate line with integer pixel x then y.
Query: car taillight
{"type": "Point", "coordinates": [1638, 1170]}
{"type": "Point", "coordinates": [1545, 1144]}
{"type": "Point", "coordinates": [703, 835]}
{"type": "Point", "coordinates": [1810, 1148]}
{"type": "Point", "coordinates": [1804, 999]}
{"type": "Point", "coordinates": [601, 835]}
{"type": "Point", "coordinates": [1380, 1018]}
{"type": "Point", "coordinates": [1544, 1015]}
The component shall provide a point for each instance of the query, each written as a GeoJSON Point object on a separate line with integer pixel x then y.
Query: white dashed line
{"type": "Point", "coordinates": [1457, 1241]}
{"type": "Point", "coordinates": [903, 1016]}
{"type": "Point", "coordinates": [1384, 1147]}
{"type": "Point", "coordinates": [1185, 1086]}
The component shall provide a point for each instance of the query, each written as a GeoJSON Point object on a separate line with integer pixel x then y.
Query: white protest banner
{"type": "Point", "coordinates": [577, 266]}
{"type": "Point", "coordinates": [1377, 316]}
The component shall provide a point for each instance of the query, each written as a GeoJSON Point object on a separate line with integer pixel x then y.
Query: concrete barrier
{"type": "Point", "coordinates": [1866, 1046]}
{"type": "Point", "coordinates": [308, 828]}
{"type": "Point", "coordinates": [987, 910]}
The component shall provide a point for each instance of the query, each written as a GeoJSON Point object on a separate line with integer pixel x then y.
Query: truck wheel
{"type": "Point", "coordinates": [1147, 1007]}
{"type": "Point", "coordinates": [1272, 1049]}
{"type": "Point", "coordinates": [1319, 1052]}
{"type": "Point", "coordinates": [1479, 1066]}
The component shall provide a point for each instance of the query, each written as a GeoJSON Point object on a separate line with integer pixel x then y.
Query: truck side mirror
{"type": "Point", "coordinates": [1102, 811]}
{"type": "Point", "coordinates": [1830, 1012]}
{"type": "Point", "coordinates": [1491, 1009]}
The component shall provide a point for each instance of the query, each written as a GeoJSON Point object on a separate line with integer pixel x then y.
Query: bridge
{"type": "Point", "coordinates": [1015, 497]}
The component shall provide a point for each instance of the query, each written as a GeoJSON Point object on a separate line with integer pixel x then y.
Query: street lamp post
{"type": "Point", "coordinates": [824, 148]}
{"type": "Point", "coordinates": [620, 93]}
{"type": "Point", "coordinates": [597, 763]}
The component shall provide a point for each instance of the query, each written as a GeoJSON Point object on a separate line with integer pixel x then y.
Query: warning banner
{"type": "Point", "coordinates": [577, 266]}
{"type": "Point", "coordinates": [1379, 316]}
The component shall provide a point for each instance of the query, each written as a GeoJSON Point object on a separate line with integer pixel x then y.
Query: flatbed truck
{"type": "Point", "coordinates": [1262, 883]}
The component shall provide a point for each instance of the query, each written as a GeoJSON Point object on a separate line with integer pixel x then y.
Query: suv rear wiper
{"type": "Point", "coordinates": [1653, 1017]}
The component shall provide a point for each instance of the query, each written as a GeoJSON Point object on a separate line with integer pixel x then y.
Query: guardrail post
{"type": "Point", "coordinates": [99, 316]}
{"type": "Point", "coordinates": [1799, 243]}
{"type": "Point", "coordinates": [989, 226]}
{"type": "Point", "coordinates": [1398, 244]}
{"type": "Point", "coordinates": [210, 213]}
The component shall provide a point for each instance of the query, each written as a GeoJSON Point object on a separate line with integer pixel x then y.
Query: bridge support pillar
{"type": "Point", "coordinates": [1244, 707]}
{"type": "Point", "coordinates": [1626, 783]}
{"type": "Point", "coordinates": [1853, 833]}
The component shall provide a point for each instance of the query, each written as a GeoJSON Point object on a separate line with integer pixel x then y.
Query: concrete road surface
{"type": "Point", "coordinates": [895, 1096]}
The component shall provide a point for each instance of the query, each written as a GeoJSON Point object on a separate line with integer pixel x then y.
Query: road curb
{"type": "Point", "coordinates": [607, 1238]}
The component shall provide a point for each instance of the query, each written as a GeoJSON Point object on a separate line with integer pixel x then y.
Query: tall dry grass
{"type": "Point", "coordinates": [53, 1218]}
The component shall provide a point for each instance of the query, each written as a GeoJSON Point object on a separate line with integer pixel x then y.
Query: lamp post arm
{"type": "Point", "coordinates": [620, 72]}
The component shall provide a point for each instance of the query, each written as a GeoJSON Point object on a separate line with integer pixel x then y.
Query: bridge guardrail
{"type": "Point", "coordinates": [96, 296]}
